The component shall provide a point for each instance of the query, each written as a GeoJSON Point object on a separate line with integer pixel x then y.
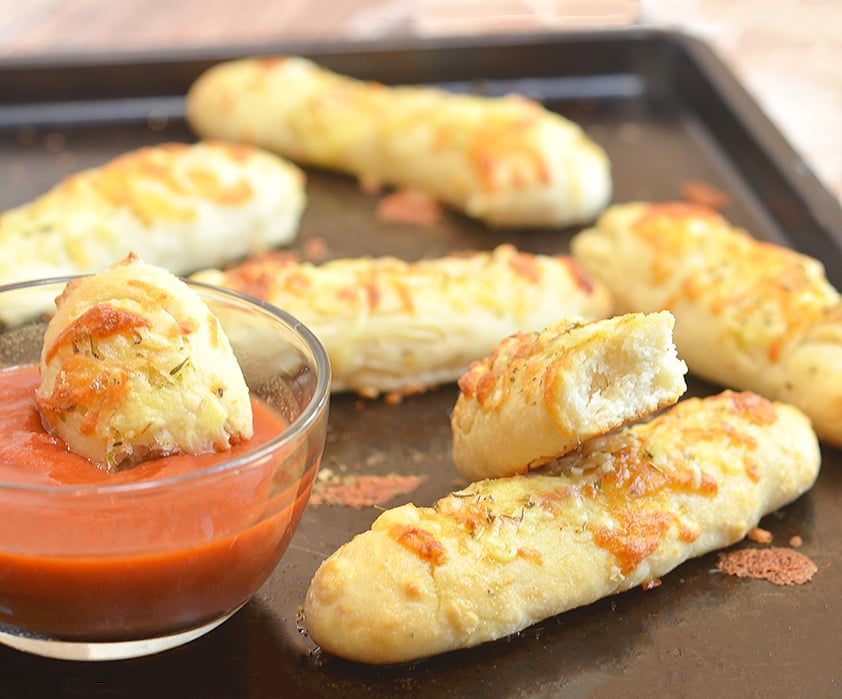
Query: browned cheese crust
{"type": "Point", "coordinates": [502, 554]}
{"type": "Point", "coordinates": [749, 315]}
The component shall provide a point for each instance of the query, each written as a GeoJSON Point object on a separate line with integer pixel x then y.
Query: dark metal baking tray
{"type": "Point", "coordinates": [668, 112]}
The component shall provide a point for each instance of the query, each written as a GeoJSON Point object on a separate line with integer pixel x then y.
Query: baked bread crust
{"type": "Point", "coordinates": [506, 160]}
{"type": "Point", "coordinates": [135, 366]}
{"type": "Point", "coordinates": [549, 391]}
{"type": "Point", "coordinates": [181, 207]}
{"type": "Point", "coordinates": [502, 554]}
{"type": "Point", "coordinates": [749, 315]}
{"type": "Point", "coordinates": [391, 326]}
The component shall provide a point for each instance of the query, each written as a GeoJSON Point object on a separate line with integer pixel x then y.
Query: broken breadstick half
{"type": "Point", "coordinates": [549, 391]}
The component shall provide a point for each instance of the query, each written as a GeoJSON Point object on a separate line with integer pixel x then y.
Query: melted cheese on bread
{"type": "Point", "coordinates": [502, 554]}
{"type": "Point", "coordinates": [391, 326]}
{"type": "Point", "coordinates": [178, 206]}
{"type": "Point", "coordinates": [135, 366]}
{"type": "Point", "coordinates": [507, 161]}
{"type": "Point", "coordinates": [749, 315]}
{"type": "Point", "coordinates": [549, 391]}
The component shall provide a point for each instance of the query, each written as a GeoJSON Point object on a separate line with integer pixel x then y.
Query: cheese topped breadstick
{"type": "Point", "coordinates": [507, 160]}
{"type": "Point", "coordinates": [505, 553]}
{"type": "Point", "coordinates": [549, 391]}
{"type": "Point", "coordinates": [391, 326]}
{"type": "Point", "coordinates": [136, 366]}
{"type": "Point", "coordinates": [749, 315]}
{"type": "Point", "coordinates": [178, 206]}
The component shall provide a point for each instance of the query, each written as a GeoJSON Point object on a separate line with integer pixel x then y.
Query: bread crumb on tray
{"type": "Point", "coordinates": [360, 491]}
{"type": "Point", "coordinates": [778, 565]}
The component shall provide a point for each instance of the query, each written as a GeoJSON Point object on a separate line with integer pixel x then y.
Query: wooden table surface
{"type": "Point", "coordinates": [787, 52]}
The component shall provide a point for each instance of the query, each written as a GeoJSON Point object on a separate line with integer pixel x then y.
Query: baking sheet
{"type": "Point", "coordinates": [667, 112]}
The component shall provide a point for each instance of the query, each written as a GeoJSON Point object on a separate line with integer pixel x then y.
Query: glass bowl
{"type": "Point", "coordinates": [130, 564]}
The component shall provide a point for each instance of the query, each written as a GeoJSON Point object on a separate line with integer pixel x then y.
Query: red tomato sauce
{"type": "Point", "coordinates": [94, 562]}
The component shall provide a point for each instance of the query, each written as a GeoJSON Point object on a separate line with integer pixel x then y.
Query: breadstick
{"type": "Point", "coordinates": [391, 326]}
{"type": "Point", "coordinates": [502, 554]}
{"type": "Point", "coordinates": [749, 315]}
{"type": "Point", "coordinates": [549, 391]}
{"type": "Point", "coordinates": [181, 207]}
{"type": "Point", "coordinates": [135, 366]}
{"type": "Point", "coordinates": [506, 160]}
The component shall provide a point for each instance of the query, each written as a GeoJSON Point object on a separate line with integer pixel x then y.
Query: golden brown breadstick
{"type": "Point", "coordinates": [549, 391]}
{"type": "Point", "coordinates": [181, 207]}
{"type": "Point", "coordinates": [748, 314]}
{"type": "Point", "coordinates": [391, 326]}
{"type": "Point", "coordinates": [507, 161]}
{"type": "Point", "coordinates": [502, 554]}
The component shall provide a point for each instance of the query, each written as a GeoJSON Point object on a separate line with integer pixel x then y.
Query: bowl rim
{"type": "Point", "coordinates": [316, 405]}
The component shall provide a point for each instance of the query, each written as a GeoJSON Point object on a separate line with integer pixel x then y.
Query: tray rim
{"type": "Point", "coordinates": [819, 200]}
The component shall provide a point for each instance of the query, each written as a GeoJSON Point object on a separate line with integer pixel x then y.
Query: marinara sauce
{"type": "Point", "coordinates": [148, 551]}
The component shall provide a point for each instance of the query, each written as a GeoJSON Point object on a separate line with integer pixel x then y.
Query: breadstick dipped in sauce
{"type": "Point", "coordinates": [144, 489]}
{"type": "Point", "coordinates": [135, 366]}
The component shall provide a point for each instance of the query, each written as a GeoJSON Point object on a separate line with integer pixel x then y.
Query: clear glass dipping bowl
{"type": "Point", "coordinates": [117, 570]}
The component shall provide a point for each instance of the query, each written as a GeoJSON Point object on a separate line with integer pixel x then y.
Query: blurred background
{"type": "Point", "coordinates": [787, 53]}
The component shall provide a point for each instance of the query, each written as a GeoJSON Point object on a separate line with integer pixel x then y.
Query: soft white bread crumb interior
{"type": "Point", "coordinates": [135, 366]}
{"type": "Point", "coordinates": [622, 375]}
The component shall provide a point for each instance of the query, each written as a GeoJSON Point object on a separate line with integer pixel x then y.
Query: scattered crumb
{"type": "Point", "coordinates": [315, 249]}
{"type": "Point", "coordinates": [630, 133]}
{"type": "Point", "coordinates": [361, 491]}
{"type": "Point", "coordinates": [406, 206]}
{"type": "Point", "coordinates": [781, 566]}
{"type": "Point", "coordinates": [300, 624]}
{"type": "Point", "coordinates": [55, 142]}
{"type": "Point", "coordinates": [705, 195]}
{"type": "Point", "coordinates": [760, 536]}
{"type": "Point", "coordinates": [370, 185]}
{"type": "Point", "coordinates": [376, 458]}
{"type": "Point", "coordinates": [396, 397]}
{"type": "Point", "coordinates": [796, 541]}
{"type": "Point", "coordinates": [652, 584]}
